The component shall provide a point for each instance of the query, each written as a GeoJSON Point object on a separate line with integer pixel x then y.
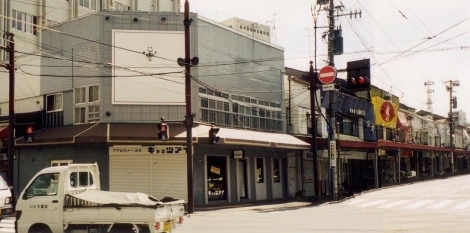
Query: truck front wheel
{"type": "Point", "coordinates": [39, 228]}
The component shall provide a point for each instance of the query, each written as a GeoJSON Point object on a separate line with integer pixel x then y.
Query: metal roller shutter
{"type": "Point", "coordinates": [169, 175]}
{"type": "Point", "coordinates": [130, 173]}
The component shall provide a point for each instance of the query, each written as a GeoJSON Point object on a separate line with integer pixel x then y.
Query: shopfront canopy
{"type": "Point", "coordinates": [3, 132]}
{"type": "Point", "coordinates": [121, 133]}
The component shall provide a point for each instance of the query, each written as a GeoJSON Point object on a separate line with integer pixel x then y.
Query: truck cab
{"type": "Point", "coordinates": [43, 197]}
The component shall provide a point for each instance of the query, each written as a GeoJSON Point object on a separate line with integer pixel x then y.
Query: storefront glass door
{"type": "Point", "coordinates": [216, 178]}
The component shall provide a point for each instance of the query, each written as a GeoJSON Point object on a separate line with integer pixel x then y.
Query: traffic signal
{"type": "Point", "coordinates": [358, 77]}
{"type": "Point", "coordinates": [29, 136]}
{"type": "Point", "coordinates": [213, 138]}
{"type": "Point", "coordinates": [454, 102]}
{"type": "Point", "coordinates": [164, 130]}
{"type": "Point", "coordinates": [358, 82]}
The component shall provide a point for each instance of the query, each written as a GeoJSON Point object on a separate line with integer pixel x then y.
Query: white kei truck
{"type": "Point", "coordinates": [68, 199]}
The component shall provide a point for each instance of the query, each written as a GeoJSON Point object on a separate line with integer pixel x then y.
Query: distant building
{"type": "Point", "coordinates": [256, 30]}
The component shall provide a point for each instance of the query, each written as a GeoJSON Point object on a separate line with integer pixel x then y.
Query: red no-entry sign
{"type": "Point", "coordinates": [327, 74]}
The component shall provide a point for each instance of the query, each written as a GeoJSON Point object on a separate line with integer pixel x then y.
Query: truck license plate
{"type": "Point", "coordinates": [167, 226]}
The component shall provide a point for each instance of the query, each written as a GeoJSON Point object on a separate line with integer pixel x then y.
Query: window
{"type": "Point", "coordinates": [94, 113]}
{"type": "Point", "coordinates": [94, 93]}
{"type": "Point", "coordinates": [79, 95]}
{"type": "Point", "coordinates": [243, 111]}
{"type": "Point", "coordinates": [80, 115]}
{"type": "Point", "coordinates": [55, 163]}
{"type": "Point", "coordinates": [87, 105]}
{"type": "Point", "coordinates": [92, 4]}
{"type": "Point", "coordinates": [259, 170]}
{"type": "Point", "coordinates": [348, 126]}
{"type": "Point", "coordinates": [24, 22]}
{"type": "Point", "coordinates": [54, 102]}
{"type": "Point", "coordinates": [204, 103]}
{"type": "Point", "coordinates": [276, 170]}
{"type": "Point", "coordinates": [43, 185]}
{"type": "Point", "coordinates": [81, 179]}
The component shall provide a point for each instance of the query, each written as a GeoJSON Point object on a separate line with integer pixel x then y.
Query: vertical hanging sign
{"type": "Point", "coordinates": [332, 153]}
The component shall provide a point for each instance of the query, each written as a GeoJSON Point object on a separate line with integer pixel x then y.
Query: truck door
{"type": "Point", "coordinates": [41, 202]}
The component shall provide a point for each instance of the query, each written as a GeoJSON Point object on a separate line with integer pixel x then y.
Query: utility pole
{"type": "Point", "coordinates": [452, 104]}
{"type": "Point", "coordinates": [313, 146]}
{"type": "Point", "coordinates": [313, 75]}
{"type": "Point", "coordinates": [11, 106]}
{"type": "Point", "coordinates": [189, 115]}
{"type": "Point", "coordinates": [332, 110]}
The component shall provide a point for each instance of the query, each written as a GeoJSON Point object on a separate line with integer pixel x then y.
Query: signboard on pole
{"type": "Point", "coordinates": [327, 74]}
{"type": "Point", "coordinates": [332, 153]}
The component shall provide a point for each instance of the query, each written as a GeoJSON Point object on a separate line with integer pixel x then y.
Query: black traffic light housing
{"type": "Point", "coordinates": [454, 102]}
{"type": "Point", "coordinates": [213, 138]}
{"type": "Point", "coordinates": [164, 130]}
{"type": "Point", "coordinates": [29, 135]}
{"type": "Point", "coordinates": [358, 77]}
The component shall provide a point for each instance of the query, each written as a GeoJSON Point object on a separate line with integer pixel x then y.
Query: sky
{"type": "Point", "coordinates": [408, 42]}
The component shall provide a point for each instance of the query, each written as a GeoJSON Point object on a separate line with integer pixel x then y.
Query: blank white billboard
{"type": "Point", "coordinates": [142, 79]}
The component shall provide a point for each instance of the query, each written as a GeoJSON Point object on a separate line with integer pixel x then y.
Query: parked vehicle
{"type": "Point", "coordinates": [68, 199]}
{"type": "Point", "coordinates": [6, 206]}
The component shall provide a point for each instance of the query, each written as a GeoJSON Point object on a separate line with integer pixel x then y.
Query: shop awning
{"type": "Point", "coordinates": [147, 133]}
{"type": "Point", "coordinates": [402, 119]}
{"type": "Point", "coordinates": [3, 132]}
{"type": "Point", "coordinates": [248, 138]}
{"type": "Point", "coordinates": [70, 134]}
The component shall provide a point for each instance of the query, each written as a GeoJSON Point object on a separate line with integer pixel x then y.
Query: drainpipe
{"type": "Point", "coordinates": [75, 10]}
{"type": "Point", "coordinates": [376, 172]}
{"type": "Point", "coordinates": [3, 25]}
{"type": "Point", "coordinates": [399, 164]}
{"type": "Point", "coordinates": [71, 6]}
{"type": "Point", "coordinates": [432, 165]}
{"type": "Point", "coordinates": [290, 105]}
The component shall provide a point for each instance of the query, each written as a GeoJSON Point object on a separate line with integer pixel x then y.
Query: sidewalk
{"type": "Point", "coordinates": [264, 206]}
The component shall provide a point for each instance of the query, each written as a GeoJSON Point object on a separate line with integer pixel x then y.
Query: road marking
{"type": "Point", "coordinates": [356, 201]}
{"type": "Point", "coordinates": [462, 206]}
{"type": "Point", "coordinates": [377, 202]}
{"type": "Point", "coordinates": [7, 225]}
{"type": "Point", "coordinates": [418, 204]}
{"type": "Point", "coordinates": [393, 204]}
{"type": "Point", "coordinates": [461, 189]}
{"type": "Point", "coordinates": [440, 204]}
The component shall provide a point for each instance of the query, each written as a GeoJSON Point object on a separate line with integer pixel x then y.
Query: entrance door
{"type": "Point", "coordinates": [277, 178]}
{"type": "Point", "coordinates": [242, 180]}
{"type": "Point", "coordinates": [216, 178]}
{"type": "Point", "coordinates": [260, 179]}
{"type": "Point", "coordinates": [292, 175]}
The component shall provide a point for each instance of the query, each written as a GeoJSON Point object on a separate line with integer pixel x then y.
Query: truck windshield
{"type": "Point", "coordinates": [43, 185]}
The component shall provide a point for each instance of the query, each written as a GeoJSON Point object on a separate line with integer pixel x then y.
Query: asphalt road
{"type": "Point", "coordinates": [434, 206]}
